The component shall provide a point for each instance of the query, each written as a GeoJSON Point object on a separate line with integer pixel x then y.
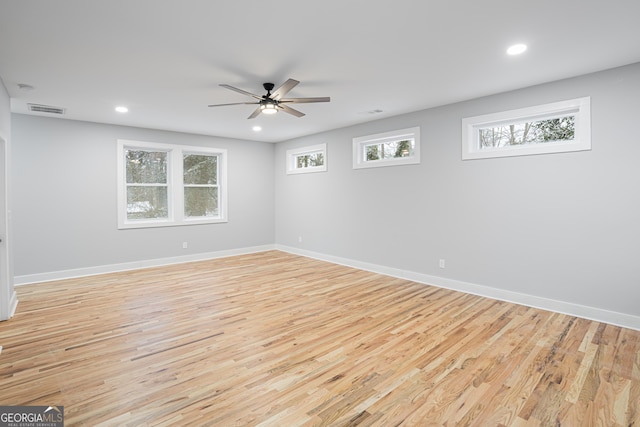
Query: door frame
{"type": "Point", "coordinates": [8, 297]}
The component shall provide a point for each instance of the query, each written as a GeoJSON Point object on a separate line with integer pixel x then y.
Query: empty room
{"type": "Point", "coordinates": [331, 213]}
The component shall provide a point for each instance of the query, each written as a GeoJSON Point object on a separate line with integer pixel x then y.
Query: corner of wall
{"type": "Point", "coordinates": [8, 299]}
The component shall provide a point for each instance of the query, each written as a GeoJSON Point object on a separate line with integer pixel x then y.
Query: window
{"type": "Point", "coordinates": [399, 147]}
{"type": "Point", "coordinates": [200, 181]}
{"type": "Point", "coordinates": [146, 183]}
{"type": "Point", "coordinates": [166, 185]}
{"type": "Point", "coordinates": [550, 128]}
{"type": "Point", "coordinates": [307, 159]}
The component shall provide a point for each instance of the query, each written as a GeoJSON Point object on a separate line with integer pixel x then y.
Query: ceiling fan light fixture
{"type": "Point", "coordinates": [268, 108]}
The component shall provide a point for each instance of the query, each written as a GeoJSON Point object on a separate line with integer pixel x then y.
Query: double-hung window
{"type": "Point", "coordinates": [146, 183]}
{"type": "Point", "coordinates": [167, 185]}
{"type": "Point", "coordinates": [200, 185]}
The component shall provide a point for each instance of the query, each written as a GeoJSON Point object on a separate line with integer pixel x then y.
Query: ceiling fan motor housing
{"type": "Point", "coordinates": [268, 86]}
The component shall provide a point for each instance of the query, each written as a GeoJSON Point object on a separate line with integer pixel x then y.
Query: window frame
{"type": "Point", "coordinates": [175, 184]}
{"type": "Point", "coordinates": [293, 154]}
{"type": "Point", "coordinates": [166, 184]}
{"type": "Point", "coordinates": [360, 143]}
{"type": "Point", "coordinates": [184, 186]}
{"type": "Point", "coordinates": [579, 107]}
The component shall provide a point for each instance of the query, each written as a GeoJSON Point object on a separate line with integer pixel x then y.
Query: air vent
{"type": "Point", "coordinates": [38, 108]}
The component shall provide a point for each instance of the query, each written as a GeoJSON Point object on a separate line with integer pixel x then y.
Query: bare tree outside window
{"type": "Point", "coordinates": [389, 150]}
{"type": "Point", "coordinates": [557, 127]}
{"type": "Point", "coordinates": [310, 160]}
{"type": "Point", "coordinates": [560, 129]}
{"type": "Point", "coordinates": [146, 184]}
{"type": "Point", "coordinates": [392, 148]}
{"type": "Point", "coordinates": [164, 185]}
{"type": "Point", "coordinates": [200, 185]}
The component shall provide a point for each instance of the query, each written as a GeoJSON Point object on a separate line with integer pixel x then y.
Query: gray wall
{"type": "Point", "coordinates": [65, 216]}
{"type": "Point", "coordinates": [559, 226]}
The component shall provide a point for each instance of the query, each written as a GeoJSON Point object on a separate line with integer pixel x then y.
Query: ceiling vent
{"type": "Point", "coordinates": [38, 108]}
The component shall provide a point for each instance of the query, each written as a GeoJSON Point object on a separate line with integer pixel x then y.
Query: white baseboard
{"type": "Point", "coordinates": [135, 265]}
{"type": "Point", "coordinates": [591, 313]}
{"type": "Point", "coordinates": [7, 312]}
{"type": "Point", "coordinates": [563, 307]}
{"type": "Point", "coordinates": [13, 304]}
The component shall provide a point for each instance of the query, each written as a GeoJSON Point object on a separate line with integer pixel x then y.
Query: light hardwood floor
{"type": "Point", "coordinates": [273, 339]}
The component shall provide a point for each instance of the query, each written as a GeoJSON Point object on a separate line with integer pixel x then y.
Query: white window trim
{"type": "Point", "coordinates": [294, 153]}
{"type": "Point", "coordinates": [580, 107]}
{"type": "Point", "coordinates": [359, 144]}
{"type": "Point", "coordinates": [175, 196]}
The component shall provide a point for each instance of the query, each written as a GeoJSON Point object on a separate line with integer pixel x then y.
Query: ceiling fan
{"type": "Point", "coordinates": [270, 103]}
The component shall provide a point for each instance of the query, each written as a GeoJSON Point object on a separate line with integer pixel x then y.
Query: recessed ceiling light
{"type": "Point", "coordinates": [257, 128]}
{"type": "Point", "coordinates": [122, 109]}
{"type": "Point", "coordinates": [516, 49]}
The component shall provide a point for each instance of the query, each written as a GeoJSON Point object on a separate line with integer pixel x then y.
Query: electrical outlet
{"type": "Point", "coordinates": [441, 263]}
{"type": "Point", "coordinates": [185, 245]}
{"type": "Point", "coordinates": [299, 239]}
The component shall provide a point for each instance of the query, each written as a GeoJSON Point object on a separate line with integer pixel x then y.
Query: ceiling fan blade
{"type": "Point", "coordinates": [284, 89]}
{"type": "Point", "coordinates": [244, 92]}
{"type": "Point", "coordinates": [304, 100]}
{"type": "Point", "coordinates": [233, 103]}
{"type": "Point", "coordinates": [255, 114]}
{"type": "Point", "coordinates": [290, 110]}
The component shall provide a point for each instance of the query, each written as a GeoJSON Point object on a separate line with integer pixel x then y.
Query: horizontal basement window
{"type": "Point", "coordinates": [307, 159]}
{"type": "Point", "coordinates": [550, 128]}
{"type": "Point", "coordinates": [399, 147]}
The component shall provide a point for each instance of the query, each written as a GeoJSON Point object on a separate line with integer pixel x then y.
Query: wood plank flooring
{"type": "Point", "coordinates": [274, 339]}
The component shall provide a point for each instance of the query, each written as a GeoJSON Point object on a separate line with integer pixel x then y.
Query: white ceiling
{"type": "Point", "coordinates": [165, 59]}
